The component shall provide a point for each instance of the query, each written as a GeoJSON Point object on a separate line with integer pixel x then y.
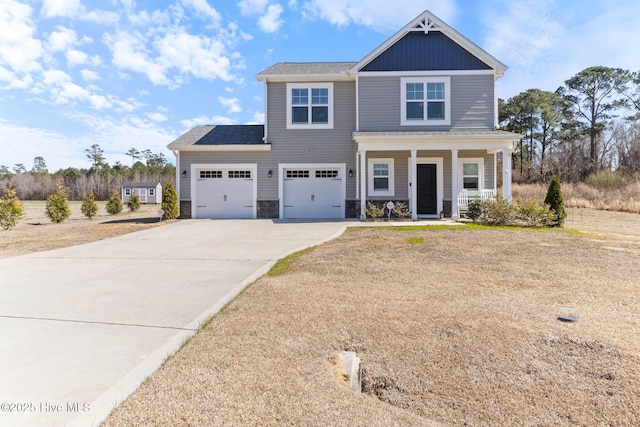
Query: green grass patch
{"type": "Point", "coordinates": [284, 265]}
{"type": "Point", "coordinates": [415, 240]}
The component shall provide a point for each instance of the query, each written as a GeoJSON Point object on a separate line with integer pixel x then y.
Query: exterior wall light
{"type": "Point", "coordinates": [269, 174]}
{"type": "Point", "coordinates": [350, 173]}
{"type": "Point", "coordinates": [184, 174]}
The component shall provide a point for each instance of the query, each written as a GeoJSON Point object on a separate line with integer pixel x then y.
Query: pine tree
{"type": "Point", "coordinates": [89, 206]}
{"type": "Point", "coordinates": [170, 202]}
{"type": "Point", "coordinates": [114, 204]}
{"type": "Point", "coordinates": [556, 202]}
{"type": "Point", "coordinates": [133, 203]}
{"type": "Point", "coordinates": [57, 207]}
{"type": "Point", "coordinates": [10, 208]}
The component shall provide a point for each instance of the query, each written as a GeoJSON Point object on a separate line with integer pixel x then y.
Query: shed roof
{"type": "Point", "coordinates": [132, 184]}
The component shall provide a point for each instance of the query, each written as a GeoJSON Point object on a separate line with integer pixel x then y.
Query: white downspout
{"type": "Point", "coordinates": [265, 138]}
{"type": "Point", "coordinates": [176, 153]}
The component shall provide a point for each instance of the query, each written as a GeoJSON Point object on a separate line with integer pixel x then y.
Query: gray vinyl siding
{"type": "Point", "coordinates": [312, 145]}
{"type": "Point", "coordinates": [472, 104]}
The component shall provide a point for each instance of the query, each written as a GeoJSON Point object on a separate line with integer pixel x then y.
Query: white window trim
{"type": "Point", "coordinates": [127, 192]}
{"type": "Point", "coordinates": [373, 193]}
{"type": "Point", "coordinates": [480, 162]}
{"type": "Point", "coordinates": [425, 80]}
{"type": "Point", "coordinates": [290, 124]}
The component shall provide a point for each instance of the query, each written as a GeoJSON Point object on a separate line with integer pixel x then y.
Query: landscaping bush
{"type": "Point", "coordinates": [89, 206]}
{"type": "Point", "coordinates": [57, 206]}
{"type": "Point", "coordinates": [531, 213]}
{"type": "Point", "coordinates": [556, 202]}
{"type": "Point", "coordinates": [114, 204]}
{"type": "Point", "coordinates": [401, 210]}
{"type": "Point", "coordinates": [10, 208]}
{"type": "Point", "coordinates": [474, 210]}
{"type": "Point", "coordinates": [133, 203]}
{"type": "Point", "coordinates": [170, 203]}
{"type": "Point", "coordinates": [496, 211]}
{"type": "Point", "coordinates": [374, 211]}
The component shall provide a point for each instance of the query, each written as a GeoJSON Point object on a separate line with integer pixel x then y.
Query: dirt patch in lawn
{"type": "Point", "coordinates": [461, 329]}
{"type": "Point", "coordinates": [35, 232]}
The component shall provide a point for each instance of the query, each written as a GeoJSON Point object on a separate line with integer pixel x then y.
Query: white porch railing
{"type": "Point", "coordinates": [464, 196]}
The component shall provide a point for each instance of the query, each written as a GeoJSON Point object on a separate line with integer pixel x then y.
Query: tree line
{"type": "Point", "coordinates": [100, 178]}
{"type": "Point", "coordinates": [589, 125]}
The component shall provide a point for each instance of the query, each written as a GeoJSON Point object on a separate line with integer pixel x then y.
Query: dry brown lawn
{"type": "Point", "coordinates": [35, 232]}
{"type": "Point", "coordinates": [461, 329]}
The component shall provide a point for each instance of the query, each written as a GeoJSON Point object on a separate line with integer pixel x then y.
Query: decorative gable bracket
{"type": "Point", "coordinates": [426, 24]}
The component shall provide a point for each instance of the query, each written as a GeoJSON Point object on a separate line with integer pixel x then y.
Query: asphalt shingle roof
{"type": "Point", "coordinates": [303, 68]}
{"type": "Point", "coordinates": [221, 135]}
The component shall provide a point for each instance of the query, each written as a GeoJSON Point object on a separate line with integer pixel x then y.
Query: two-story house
{"type": "Point", "coordinates": [413, 121]}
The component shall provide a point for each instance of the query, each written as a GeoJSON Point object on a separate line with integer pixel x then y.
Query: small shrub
{"type": "Point", "coordinates": [57, 206]}
{"type": "Point", "coordinates": [89, 206]}
{"type": "Point", "coordinates": [556, 202]}
{"type": "Point", "coordinates": [114, 204]}
{"type": "Point", "coordinates": [133, 203]}
{"type": "Point", "coordinates": [496, 211]}
{"type": "Point", "coordinates": [170, 202]}
{"type": "Point", "coordinates": [401, 210]}
{"type": "Point", "coordinates": [474, 210]}
{"type": "Point", "coordinates": [10, 209]}
{"type": "Point", "coordinates": [374, 211]}
{"type": "Point", "coordinates": [531, 213]}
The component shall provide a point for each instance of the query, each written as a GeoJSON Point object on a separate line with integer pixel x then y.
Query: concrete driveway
{"type": "Point", "coordinates": [82, 327]}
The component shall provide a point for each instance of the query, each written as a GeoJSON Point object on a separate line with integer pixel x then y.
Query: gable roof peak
{"type": "Point", "coordinates": [427, 22]}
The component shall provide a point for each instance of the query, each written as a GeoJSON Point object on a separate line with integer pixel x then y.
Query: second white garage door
{"type": "Point", "coordinates": [224, 192]}
{"type": "Point", "coordinates": [313, 192]}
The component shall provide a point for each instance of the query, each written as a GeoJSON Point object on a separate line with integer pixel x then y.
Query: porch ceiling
{"type": "Point", "coordinates": [436, 140]}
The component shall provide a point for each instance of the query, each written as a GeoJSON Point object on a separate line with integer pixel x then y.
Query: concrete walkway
{"type": "Point", "coordinates": [82, 327]}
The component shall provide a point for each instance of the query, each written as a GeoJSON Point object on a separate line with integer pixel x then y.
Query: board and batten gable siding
{"type": "Point", "coordinates": [472, 104]}
{"type": "Point", "coordinates": [417, 51]}
{"type": "Point", "coordinates": [310, 146]}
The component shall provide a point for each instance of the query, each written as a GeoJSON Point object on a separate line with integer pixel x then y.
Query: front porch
{"type": "Point", "coordinates": [432, 170]}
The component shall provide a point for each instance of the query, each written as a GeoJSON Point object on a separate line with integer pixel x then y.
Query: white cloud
{"type": "Point", "coordinates": [19, 49]}
{"type": "Point", "coordinates": [381, 15]}
{"type": "Point", "coordinates": [62, 38]}
{"type": "Point", "coordinates": [76, 57]}
{"type": "Point", "coordinates": [258, 119]}
{"type": "Point", "coordinates": [130, 53]}
{"type": "Point", "coordinates": [233, 104]}
{"type": "Point", "coordinates": [252, 7]}
{"type": "Point", "coordinates": [158, 117]}
{"type": "Point", "coordinates": [74, 9]}
{"type": "Point", "coordinates": [203, 7]}
{"type": "Point", "coordinates": [204, 120]}
{"type": "Point", "coordinates": [270, 22]}
{"type": "Point", "coordinates": [89, 75]}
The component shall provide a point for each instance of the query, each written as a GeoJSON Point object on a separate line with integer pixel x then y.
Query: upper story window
{"type": "Point", "coordinates": [426, 101]}
{"type": "Point", "coordinates": [309, 105]}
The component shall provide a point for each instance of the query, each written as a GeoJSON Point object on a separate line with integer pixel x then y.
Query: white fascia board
{"type": "Point", "coordinates": [293, 78]}
{"type": "Point", "coordinates": [230, 147]}
{"type": "Point", "coordinates": [389, 145]}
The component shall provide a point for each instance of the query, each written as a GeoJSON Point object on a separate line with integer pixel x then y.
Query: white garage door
{"type": "Point", "coordinates": [224, 193]}
{"type": "Point", "coordinates": [313, 193]}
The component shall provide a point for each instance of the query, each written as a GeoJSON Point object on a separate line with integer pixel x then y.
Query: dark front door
{"type": "Point", "coordinates": [427, 190]}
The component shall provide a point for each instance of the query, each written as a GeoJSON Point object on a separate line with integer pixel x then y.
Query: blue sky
{"type": "Point", "coordinates": [139, 73]}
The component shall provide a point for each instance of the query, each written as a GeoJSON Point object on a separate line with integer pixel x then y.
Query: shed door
{"type": "Point", "coordinates": [313, 193]}
{"type": "Point", "coordinates": [224, 193]}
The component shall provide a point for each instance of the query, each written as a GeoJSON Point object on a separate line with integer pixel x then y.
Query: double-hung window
{"type": "Point", "coordinates": [381, 182]}
{"type": "Point", "coordinates": [471, 174]}
{"type": "Point", "coordinates": [426, 101]}
{"type": "Point", "coordinates": [309, 106]}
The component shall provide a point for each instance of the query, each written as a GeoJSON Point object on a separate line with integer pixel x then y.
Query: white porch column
{"type": "Point", "coordinates": [454, 184]}
{"type": "Point", "coordinates": [363, 184]}
{"type": "Point", "coordinates": [506, 174]}
{"type": "Point", "coordinates": [414, 185]}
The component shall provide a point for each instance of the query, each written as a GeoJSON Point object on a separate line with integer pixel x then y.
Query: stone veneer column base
{"type": "Point", "coordinates": [185, 209]}
{"type": "Point", "coordinates": [352, 209]}
{"type": "Point", "coordinates": [268, 209]}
